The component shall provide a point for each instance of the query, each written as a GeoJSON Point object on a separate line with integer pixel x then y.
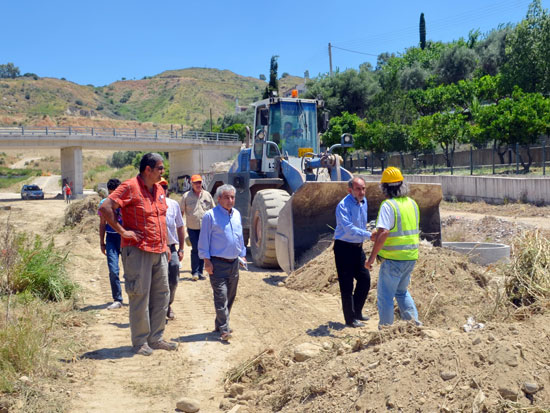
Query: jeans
{"type": "Point", "coordinates": [112, 249]}
{"type": "Point", "coordinates": [393, 279]}
{"type": "Point", "coordinates": [197, 265]}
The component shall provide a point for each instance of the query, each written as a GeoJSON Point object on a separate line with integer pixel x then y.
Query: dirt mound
{"type": "Point", "coordinates": [488, 229]}
{"type": "Point", "coordinates": [83, 212]}
{"type": "Point", "coordinates": [405, 368]}
{"type": "Point", "coordinates": [446, 287]}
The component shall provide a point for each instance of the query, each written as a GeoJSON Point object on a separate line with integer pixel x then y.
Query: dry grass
{"type": "Point", "coordinates": [527, 277]}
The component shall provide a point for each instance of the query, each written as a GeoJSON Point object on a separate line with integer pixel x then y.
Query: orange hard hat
{"type": "Point", "coordinates": [196, 178]}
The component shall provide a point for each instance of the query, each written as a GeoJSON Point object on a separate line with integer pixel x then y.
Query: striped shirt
{"type": "Point", "coordinates": [144, 212]}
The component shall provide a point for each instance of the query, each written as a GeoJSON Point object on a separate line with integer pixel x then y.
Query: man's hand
{"type": "Point", "coordinates": [369, 262]}
{"type": "Point", "coordinates": [135, 236]}
{"type": "Point", "coordinates": [373, 236]}
{"type": "Point", "coordinates": [208, 266]}
{"type": "Point", "coordinates": [180, 254]}
{"type": "Point", "coordinates": [102, 246]}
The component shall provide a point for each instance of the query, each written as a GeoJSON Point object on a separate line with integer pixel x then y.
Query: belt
{"type": "Point", "coordinates": [230, 261]}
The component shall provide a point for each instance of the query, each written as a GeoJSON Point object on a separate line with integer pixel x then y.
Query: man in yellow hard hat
{"type": "Point", "coordinates": [396, 243]}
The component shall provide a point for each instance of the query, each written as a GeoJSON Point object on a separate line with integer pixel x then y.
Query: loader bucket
{"type": "Point", "coordinates": [309, 216]}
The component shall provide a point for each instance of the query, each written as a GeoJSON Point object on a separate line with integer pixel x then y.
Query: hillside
{"type": "Point", "coordinates": [183, 97]}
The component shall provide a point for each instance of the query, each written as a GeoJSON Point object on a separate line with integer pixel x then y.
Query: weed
{"type": "Point", "coordinates": [40, 270]}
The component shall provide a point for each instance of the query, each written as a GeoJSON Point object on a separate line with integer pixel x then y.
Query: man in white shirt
{"type": "Point", "coordinates": [176, 237]}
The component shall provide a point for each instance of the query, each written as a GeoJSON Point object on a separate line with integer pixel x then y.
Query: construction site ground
{"type": "Point", "coordinates": [436, 367]}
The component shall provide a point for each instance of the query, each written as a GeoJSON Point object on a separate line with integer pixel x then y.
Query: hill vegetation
{"type": "Point", "coordinates": [183, 97]}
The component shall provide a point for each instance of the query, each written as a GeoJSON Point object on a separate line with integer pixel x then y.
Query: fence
{"type": "Point", "coordinates": [117, 132]}
{"type": "Point", "coordinates": [472, 161]}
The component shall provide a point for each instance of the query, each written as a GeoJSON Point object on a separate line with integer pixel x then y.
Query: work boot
{"type": "Point", "coordinates": [143, 350]}
{"type": "Point", "coordinates": [115, 305]}
{"type": "Point", "coordinates": [195, 277]}
{"type": "Point", "coordinates": [355, 324]}
{"type": "Point", "coordinates": [362, 317]}
{"type": "Point", "coordinates": [164, 345]}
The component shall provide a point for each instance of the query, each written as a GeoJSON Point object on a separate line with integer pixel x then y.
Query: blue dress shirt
{"type": "Point", "coordinates": [351, 220]}
{"type": "Point", "coordinates": [221, 234]}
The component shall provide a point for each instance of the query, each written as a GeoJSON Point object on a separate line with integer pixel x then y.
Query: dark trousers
{"type": "Point", "coordinates": [173, 272]}
{"type": "Point", "coordinates": [350, 264]}
{"type": "Point", "coordinates": [224, 283]}
{"type": "Point", "coordinates": [197, 265]}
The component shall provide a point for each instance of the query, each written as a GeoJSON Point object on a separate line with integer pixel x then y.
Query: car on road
{"type": "Point", "coordinates": [31, 192]}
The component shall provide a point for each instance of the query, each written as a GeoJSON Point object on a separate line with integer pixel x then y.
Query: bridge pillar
{"type": "Point", "coordinates": [197, 161]}
{"type": "Point", "coordinates": [71, 169]}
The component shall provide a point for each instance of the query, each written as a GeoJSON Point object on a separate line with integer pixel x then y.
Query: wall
{"type": "Point", "coordinates": [487, 188]}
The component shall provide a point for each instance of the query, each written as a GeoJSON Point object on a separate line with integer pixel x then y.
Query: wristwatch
{"type": "Point", "coordinates": [180, 250]}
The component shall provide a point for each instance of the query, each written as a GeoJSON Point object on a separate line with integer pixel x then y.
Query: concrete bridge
{"type": "Point", "coordinates": [189, 152]}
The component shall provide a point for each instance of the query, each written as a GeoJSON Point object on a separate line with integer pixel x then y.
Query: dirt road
{"type": "Point", "coordinates": [109, 377]}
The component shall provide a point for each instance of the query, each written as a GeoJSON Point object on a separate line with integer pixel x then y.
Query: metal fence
{"type": "Point", "coordinates": [117, 132]}
{"type": "Point", "coordinates": [465, 162]}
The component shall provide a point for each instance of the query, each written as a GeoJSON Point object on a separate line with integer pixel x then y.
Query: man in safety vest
{"type": "Point", "coordinates": [396, 243]}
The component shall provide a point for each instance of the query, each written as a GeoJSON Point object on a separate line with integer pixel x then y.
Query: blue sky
{"type": "Point", "coordinates": [100, 42]}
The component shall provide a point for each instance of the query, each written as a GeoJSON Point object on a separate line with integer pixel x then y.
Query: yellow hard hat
{"type": "Point", "coordinates": [391, 175]}
{"type": "Point", "coordinates": [163, 182]}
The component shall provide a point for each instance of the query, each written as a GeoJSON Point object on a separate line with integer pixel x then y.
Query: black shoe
{"type": "Point", "coordinates": [362, 317]}
{"type": "Point", "coordinates": [355, 324]}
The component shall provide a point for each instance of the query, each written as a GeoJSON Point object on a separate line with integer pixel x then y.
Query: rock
{"type": "Point", "coordinates": [280, 284]}
{"type": "Point", "coordinates": [530, 387]}
{"type": "Point", "coordinates": [357, 345]}
{"type": "Point", "coordinates": [24, 379]}
{"type": "Point", "coordinates": [305, 351]}
{"type": "Point", "coordinates": [491, 337]}
{"type": "Point", "coordinates": [479, 401]}
{"type": "Point", "coordinates": [447, 375]}
{"type": "Point", "coordinates": [326, 345]}
{"type": "Point", "coordinates": [476, 341]}
{"type": "Point", "coordinates": [235, 409]}
{"type": "Point", "coordinates": [188, 405]}
{"type": "Point", "coordinates": [236, 389]}
{"type": "Point", "coordinates": [247, 396]}
{"type": "Point", "coordinates": [431, 334]}
{"type": "Point", "coordinates": [373, 365]}
{"type": "Point", "coordinates": [225, 404]}
{"type": "Point", "coordinates": [508, 393]}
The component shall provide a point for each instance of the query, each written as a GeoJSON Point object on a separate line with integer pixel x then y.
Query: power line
{"type": "Point", "coordinates": [353, 51]}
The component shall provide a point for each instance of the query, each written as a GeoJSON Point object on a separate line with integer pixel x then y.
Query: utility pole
{"type": "Point", "coordinates": [330, 58]}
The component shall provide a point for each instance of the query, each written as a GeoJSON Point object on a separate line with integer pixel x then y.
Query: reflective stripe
{"type": "Point", "coordinates": [398, 224]}
{"type": "Point", "coordinates": [400, 247]}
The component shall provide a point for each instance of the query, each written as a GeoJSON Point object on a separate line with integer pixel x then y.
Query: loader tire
{"type": "Point", "coordinates": [264, 215]}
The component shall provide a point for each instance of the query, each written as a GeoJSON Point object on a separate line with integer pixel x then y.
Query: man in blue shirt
{"type": "Point", "coordinates": [220, 246]}
{"type": "Point", "coordinates": [351, 231]}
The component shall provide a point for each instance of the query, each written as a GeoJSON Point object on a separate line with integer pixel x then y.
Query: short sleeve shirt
{"type": "Point", "coordinates": [194, 207]}
{"type": "Point", "coordinates": [143, 211]}
{"type": "Point", "coordinates": [386, 217]}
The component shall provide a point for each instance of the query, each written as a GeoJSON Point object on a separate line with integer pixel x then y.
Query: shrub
{"type": "Point", "coordinates": [40, 270]}
{"type": "Point", "coordinates": [99, 107]}
{"type": "Point", "coordinates": [78, 102]}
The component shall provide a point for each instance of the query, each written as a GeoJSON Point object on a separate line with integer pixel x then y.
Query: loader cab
{"type": "Point", "coordinates": [283, 126]}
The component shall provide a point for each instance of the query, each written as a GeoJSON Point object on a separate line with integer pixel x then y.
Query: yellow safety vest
{"type": "Point", "coordinates": [402, 242]}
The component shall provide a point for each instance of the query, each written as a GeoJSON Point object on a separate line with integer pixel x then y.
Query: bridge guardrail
{"type": "Point", "coordinates": [119, 132]}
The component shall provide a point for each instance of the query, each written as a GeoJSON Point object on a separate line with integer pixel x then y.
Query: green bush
{"type": "Point", "coordinates": [40, 270]}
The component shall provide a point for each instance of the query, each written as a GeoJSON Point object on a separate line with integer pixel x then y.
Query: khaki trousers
{"type": "Point", "coordinates": [146, 283]}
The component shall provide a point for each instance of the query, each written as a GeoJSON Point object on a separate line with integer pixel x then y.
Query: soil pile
{"type": "Point", "coordinates": [502, 367]}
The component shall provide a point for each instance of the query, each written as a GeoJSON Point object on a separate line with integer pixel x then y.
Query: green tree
{"type": "Point", "coordinates": [237, 128]}
{"type": "Point", "coordinates": [9, 71]}
{"type": "Point", "coordinates": [528, 52]}
{"type": "Point", "coordinates": [456, 63]}
{"type": "Point", "coordinates": [262, 77]}
{"type": "Point", "coordinates": [346, 123]}
{"type": "Point", "coordinates": [273, 85]}
{"type": "Point", "coordinates": [422, 29]}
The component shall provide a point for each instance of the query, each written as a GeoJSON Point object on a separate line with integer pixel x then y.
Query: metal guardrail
{"type": "Point", "coordinates": [118, 132]}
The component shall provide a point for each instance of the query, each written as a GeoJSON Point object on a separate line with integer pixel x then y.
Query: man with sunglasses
{"type": "Point", "coordinates": [194, 205]}
{"type": "Point", "coordinates": [145, 252]}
